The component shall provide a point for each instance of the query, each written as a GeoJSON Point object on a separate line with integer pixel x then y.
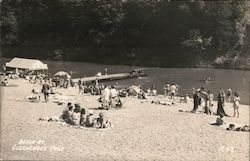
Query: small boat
{"type": "Point", "coordinates": [138, 73]}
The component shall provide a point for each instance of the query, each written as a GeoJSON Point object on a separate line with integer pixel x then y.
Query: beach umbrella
{"type": "Point", "coordinates": [62, 74]}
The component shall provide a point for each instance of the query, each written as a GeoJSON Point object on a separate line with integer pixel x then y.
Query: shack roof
{"type": "Point", "coordinates": [29, 64]}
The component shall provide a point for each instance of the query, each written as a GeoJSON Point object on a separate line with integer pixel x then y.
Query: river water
{"type": "Point", "coordinates": [186, 78]}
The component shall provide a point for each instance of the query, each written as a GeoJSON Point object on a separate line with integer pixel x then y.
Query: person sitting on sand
{"type": "Point", "coordinates": [219, 121]}
{"type": "Point", "coordinates": [119, 103]}
{"type": "Point", "coordinates": [90, 120]}
{"type": "Point", "coordinates": [149, 92]}
{"type": "Point", "coordinates": [184, 99]}
{"type": "Point", "coordinates": [141, 95]}
{"type": "Point", "coordinates": [67, 113]}
{"type": "Point", "coordinates": [75, 116]}
{"type": "Point", "coordinates": [154, 92]}
{"type": "Point", "coordinates": [83, 117]}
{"type": "Point", "coordinates": [5, 82]}
{"type": "Point", "coordinates": [236, 104]}
{"type": "Point", "coordinates": [102, 121]}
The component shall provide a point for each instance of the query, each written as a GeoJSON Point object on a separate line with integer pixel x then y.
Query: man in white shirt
{"type": "Point", "coordinates": [113, 95]}
{"type": "Point", "coordinates": [173, 91]}
{"type": "Point", "coordinates": [107, 93]}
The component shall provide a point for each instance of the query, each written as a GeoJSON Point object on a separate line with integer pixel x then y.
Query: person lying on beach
{"type": "Point", "coordinates": [162, 103]}
{"type": "Point", "coordinates": [233, 127]}
{"type": "Point", "coordinates": [102, 121]}
{"type": "Point", "coordinates": [35, 91]}
{"type": "Point", "coordinates": [185, 99]}
{"type": "Point", "coordinates": [33, 98]}
{"type": "Point", "coordinates": [122, 93]}
{"type": "Point", "coordinates": [230, 126]}
{"type": "Point", "coordinates": [50, 119]}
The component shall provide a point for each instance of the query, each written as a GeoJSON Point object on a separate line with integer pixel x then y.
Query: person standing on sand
{"type": "Point", "coordinates": [197, 101]}
{"type": "Point", "coordinates": [173, 89]}
{"type": "Point", "coordinates": [210, 101]}
{"type": "Point", "coordinates": [236, 104]}
{"type": "Point", "coordinates": [221, 104]}
{"type": "Point", "coordinates": [80, 85]}
{"type": "Point", "coordinates": [204, 97]}
{"type": "Point", "coordinates": [106, 96]}
{"type": "Point", "coordinates": [165, 90]}
{"type": "Point", "coordinates": [113, 95]}
{"type": "Point", "coordinates": [229, 94]}
{"type": "Point", "coordinates": [106, 71]}
{"type": "Point", "coordinates": [45, 91]}
{"type": "Point", "coordinates": [168, 89]}
{"type": "Point", "coordinates": [98, 92]}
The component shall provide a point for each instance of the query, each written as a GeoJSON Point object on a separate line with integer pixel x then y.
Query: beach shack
{"type": "Point", "coordinates": [26, 66]}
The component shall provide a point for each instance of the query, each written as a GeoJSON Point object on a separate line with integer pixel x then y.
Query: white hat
{"type": "Point", "coordinates": [91, 112]}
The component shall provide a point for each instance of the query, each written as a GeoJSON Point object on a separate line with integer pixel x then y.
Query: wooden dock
{"type": "Point", "coordinates": [109, 77]}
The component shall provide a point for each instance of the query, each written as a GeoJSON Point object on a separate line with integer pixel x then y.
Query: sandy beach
{"type": "Point", "coordinates": [142, 130]}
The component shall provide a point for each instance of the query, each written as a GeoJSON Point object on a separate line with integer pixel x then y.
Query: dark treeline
{"type": "Point", "coordinates": [161, 33]}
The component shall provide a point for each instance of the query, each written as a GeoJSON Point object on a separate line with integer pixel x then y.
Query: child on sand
{"type": "Point", "coordinates": [102, 121]}
{"type": "Point", "coordinates": [83, 117]}
{"type": "Point", "coordinates": [236, 104]}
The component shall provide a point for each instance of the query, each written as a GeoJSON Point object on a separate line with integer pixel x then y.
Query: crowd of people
{"type": "Point", "coordinates": [110, 97]}
{"type": "Point", "coordinates": [75, 115]}
{"type": "Point", "coordinates": [204, 98]}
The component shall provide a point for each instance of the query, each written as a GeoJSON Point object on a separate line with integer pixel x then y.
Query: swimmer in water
{"type": "Point", "coordinates": [208, 79]}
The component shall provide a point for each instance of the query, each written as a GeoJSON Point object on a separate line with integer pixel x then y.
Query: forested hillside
{"type": "Point", "coordinates": [163, 33]}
